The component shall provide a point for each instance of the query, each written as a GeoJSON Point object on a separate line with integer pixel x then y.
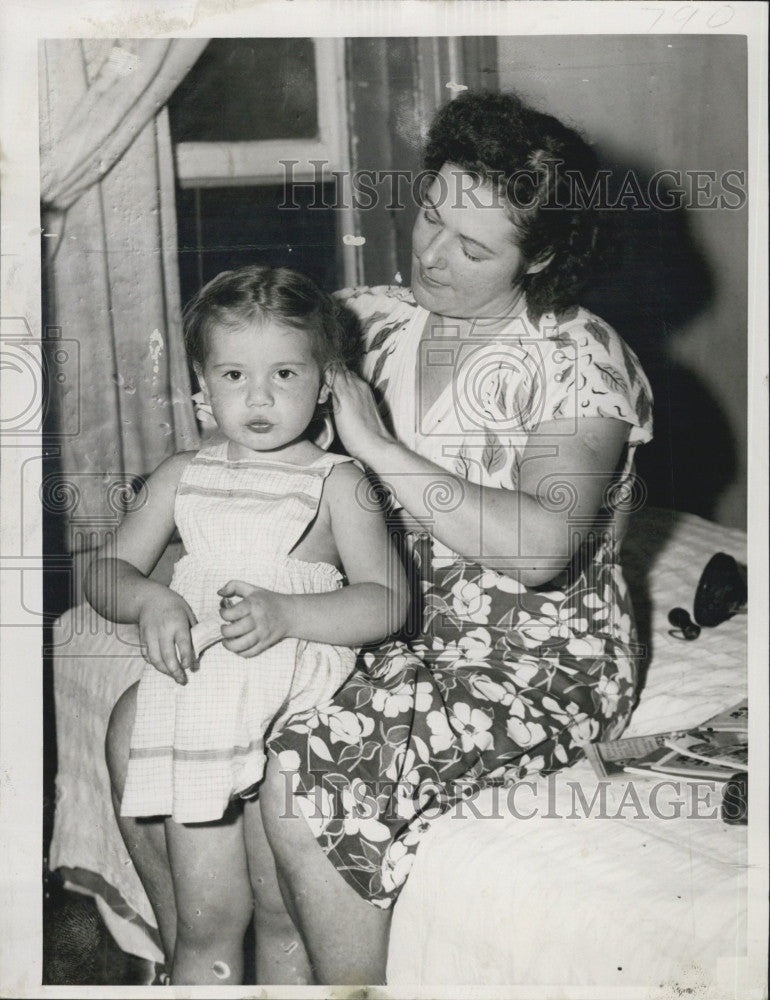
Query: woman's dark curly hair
{"type": "Point", "coordinates": [534, 162]}
{"type": "Point", "coordinates": [257, 294]}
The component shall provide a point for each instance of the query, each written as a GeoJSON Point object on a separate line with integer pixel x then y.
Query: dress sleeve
{"type": "Point", "coordinates": [377, 308]}
{"type": "Point", "coordinates": [588, 371]}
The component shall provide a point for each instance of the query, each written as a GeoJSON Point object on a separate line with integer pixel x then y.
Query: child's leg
{"type": "Point", "coordinates": [213, 899]}
{"type": "Point", "coordinates": [280, 953]}
{"type": "Point", "coordinates": [145, 838]}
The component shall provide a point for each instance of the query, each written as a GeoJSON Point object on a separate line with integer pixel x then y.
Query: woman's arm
{"type": "Point", "coordinates": [116, 583]}
{"type": "Point", "coordinates": [371, 607]}
{"type": "Point", "coordinates": [520, 532]}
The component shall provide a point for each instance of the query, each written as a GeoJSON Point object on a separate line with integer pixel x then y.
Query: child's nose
{"type": "Point", "coordinates": [259, 394]}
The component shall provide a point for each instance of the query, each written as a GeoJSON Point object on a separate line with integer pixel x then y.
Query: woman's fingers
{"type": "Point", "coordinates": [356, 416]}
{"type": "Point", "coordinates": [347, 386]}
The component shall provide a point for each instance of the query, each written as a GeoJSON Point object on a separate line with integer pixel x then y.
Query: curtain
{"type": "Point", "coordinates": [118, 380]}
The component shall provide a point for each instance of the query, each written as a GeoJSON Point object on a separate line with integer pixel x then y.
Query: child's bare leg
{"type": "Point", "coordinates": [281, 958]}
{"type": "Point", "coordinates": [213, 900]}
{"type": "Point", "coordinates": [145, 839]}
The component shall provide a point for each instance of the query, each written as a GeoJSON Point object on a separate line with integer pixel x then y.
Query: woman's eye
{"type": "Point", "coordinates": [430, 218]}
{"type": "Point", "coordinates": [470, 256]}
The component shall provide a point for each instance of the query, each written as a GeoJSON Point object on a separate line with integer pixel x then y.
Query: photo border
{"type": "Point", "coordinates": [22, 24]}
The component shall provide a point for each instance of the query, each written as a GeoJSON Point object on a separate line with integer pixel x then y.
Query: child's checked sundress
{"type": "Point", "coordinates": [197, 746]}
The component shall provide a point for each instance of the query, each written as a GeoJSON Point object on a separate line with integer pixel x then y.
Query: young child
{"type": "Point", "coordinates": [269, 521]}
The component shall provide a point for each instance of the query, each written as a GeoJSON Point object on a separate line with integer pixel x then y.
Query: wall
{"type": "Point", "coordinates": [679, 296]}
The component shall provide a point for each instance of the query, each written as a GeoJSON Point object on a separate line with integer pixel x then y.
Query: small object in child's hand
{"type": "Point", "coordinates": [735, 800]}
{"type": "Point", "coordinates": [228, 602]}
{"type": "Point", "coordinates": [194, 665]}
{"type": "Point", "coordinates": [685, 627]}
{"type": "Point", "coordinates": [205, 634]}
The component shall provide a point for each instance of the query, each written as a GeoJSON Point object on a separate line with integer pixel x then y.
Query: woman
{"type": "Point", "coordinates": [506, 430]}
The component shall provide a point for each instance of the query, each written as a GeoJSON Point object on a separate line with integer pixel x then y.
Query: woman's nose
{"type": "Point", "coordinates": [434, 252]}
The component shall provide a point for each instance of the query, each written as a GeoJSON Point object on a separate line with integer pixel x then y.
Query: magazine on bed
{"type": "Point", "coordinates": [731, 720]}
{"type": "Point", "coordinates": [712, 751]}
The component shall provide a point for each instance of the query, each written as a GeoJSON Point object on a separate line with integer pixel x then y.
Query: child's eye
{"type": "Point", "coordinates": [284, 374]}
{"type": "Point", "coordinates": [233, 376]}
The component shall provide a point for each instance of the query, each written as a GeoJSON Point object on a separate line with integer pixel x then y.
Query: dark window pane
{"type": "Point", "coordinates": [248, 89]}
{"type": "Point", "coordinates": [228, 227]}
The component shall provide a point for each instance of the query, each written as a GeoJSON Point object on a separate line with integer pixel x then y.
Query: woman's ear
{"type": "Point", "coordinates": [540, 265]}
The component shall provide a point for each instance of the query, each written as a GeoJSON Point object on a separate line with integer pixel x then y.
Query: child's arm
{"type": "Point", "coordinates": [116, 585]}
{"type": "Point", "coordinates": [372, 606]}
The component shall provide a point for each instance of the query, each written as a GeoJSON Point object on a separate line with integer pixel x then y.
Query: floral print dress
{"type": "Point", "coordinates": [498, 680]}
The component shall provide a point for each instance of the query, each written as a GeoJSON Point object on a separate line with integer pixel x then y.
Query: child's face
{"type": "Point", "coordinates": [263, 384]}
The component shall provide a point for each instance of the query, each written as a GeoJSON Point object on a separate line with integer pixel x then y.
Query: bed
{"type": "Point", "coordinates": [569, 897]}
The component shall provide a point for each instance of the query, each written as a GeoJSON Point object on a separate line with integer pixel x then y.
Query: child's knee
{"type": "Point", "coordinates": [205, 922]}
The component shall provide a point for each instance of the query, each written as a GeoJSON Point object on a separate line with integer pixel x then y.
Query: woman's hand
{"type": "Point", "coordinates": [164, 632]}
{"type": "Point", "coordinates": [255, 623]}
{"type": "Point", "coordinates": [356, 416]}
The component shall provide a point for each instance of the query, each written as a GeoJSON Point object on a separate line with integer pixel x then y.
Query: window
{"type": "Point", "coordinates": [245, 106]}
{"type": "Point", "coordinates": [249, 103]}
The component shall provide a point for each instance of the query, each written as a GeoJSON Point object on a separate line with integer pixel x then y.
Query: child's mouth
{"type": "Point", "coordinates": [260, 426]}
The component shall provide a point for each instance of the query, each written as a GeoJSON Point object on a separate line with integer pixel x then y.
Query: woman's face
{"type": "Point", "coordinates": [465, 256]}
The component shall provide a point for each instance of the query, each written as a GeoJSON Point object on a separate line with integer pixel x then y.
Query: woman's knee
{"type": "Point", "coordinates": [287, 831]}
{"type": "Point", "coordinates": [271, 914]}
{"type": "Point", "coordinates": [118, 738]}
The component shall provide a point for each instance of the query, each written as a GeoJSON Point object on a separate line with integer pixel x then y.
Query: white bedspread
{"type": "Point", "coordinates": [494, 899]}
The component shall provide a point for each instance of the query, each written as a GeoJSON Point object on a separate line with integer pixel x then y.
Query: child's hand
{"type": "Point", "coordinates": [164, 631]}
{"type": "Point", "coordinates": [255, 623]}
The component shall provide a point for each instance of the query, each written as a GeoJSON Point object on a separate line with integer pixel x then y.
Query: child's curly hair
{"type": "Point", "coordinates": [534, 162]}
{"type": "Point", "coordinates": [256, 294]}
